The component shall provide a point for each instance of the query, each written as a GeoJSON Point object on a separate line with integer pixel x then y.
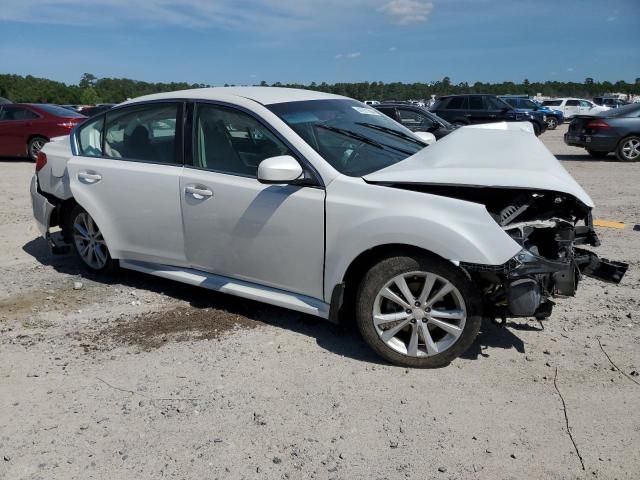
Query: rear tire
{"type": "Point", "coordinates": [34, 146]}
{"type": "Point", "coordinates": [88, 242]}
{"type": "Point", "coordinates": [595, 154]}
{"type": "Point", "coordinates": [629, 149]}
{"type": "Point", "coordinates": [423, 331]}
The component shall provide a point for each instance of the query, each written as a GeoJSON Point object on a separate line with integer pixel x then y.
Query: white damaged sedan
{"type": "Point", "coordinates": [320, 204]}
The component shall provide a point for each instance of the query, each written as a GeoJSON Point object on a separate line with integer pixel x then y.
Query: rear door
{"type": "Point", "coordinates": [237, 227]}
{"type": "Point", "coordinates": [571, 108]}
{"type": "Point", "coordinates": [15, 129]}
{"type": "Point", "coordinates": [454, 110]}
{"type": "Point", "coordinates": [127, 176]}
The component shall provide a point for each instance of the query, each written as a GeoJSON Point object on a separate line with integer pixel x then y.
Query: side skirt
{"type": "Point", "coordinates": [239, 288]}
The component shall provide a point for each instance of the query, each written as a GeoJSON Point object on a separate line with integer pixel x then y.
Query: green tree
{"type": "Point", "coordinates": [89, 96]}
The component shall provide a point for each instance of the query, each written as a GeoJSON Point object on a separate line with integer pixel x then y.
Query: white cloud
{"type": "Point", "coordinates": [408, 11]}
{"type": "Point", "coordinates": [348, 55]}
{"type": "Point", "coordinates": [392, 49]}
{"type": "Point", "coordinates": [611, 19]}
{"type": "Point", "coordinates": [570, 69]}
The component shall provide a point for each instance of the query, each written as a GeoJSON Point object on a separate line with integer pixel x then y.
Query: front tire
{"type": "Point", "coordinates": [537, 129]}
{"type": "Point", "coordinates": [629, 149]}
{"type": "Point", "coordinates": [552, 123]}
{"type": "Point", "coordinates": [34, 146]}
{"type": "Point", "coordinates": [88, 241]}
{"type": "Point", "coordinates": [417, 311]}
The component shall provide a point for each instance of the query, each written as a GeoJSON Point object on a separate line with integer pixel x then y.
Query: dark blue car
{"type": "Point", "coordinates": [523, 103]}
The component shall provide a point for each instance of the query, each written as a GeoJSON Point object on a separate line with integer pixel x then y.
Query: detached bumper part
{"type": "Point", "coordinates": [605, 270]}
{"type": "Point", "coordinates": [42, 208]}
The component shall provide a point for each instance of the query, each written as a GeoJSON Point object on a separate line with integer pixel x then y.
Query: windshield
{"type": "Point", "coordinates": [58, 110]}
{"type": "Point", "coordinates": [354, 138]}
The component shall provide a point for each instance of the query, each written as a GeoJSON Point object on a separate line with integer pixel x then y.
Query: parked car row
{"type": "Point", "coordinates": [324, 205]}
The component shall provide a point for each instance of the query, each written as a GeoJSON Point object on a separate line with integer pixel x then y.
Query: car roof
{"type": "Point", "coordinates": [263, 95]}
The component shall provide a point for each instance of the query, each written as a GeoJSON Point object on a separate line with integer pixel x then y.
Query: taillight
{"type": "Point", "coordinates": [41, 161]}
{"type": "Point", "coordinates": [597, 125]}
{"type": "Point", "coordinates": [68, 125]}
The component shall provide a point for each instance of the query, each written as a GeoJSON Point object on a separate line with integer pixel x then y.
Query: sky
{"type": "Point", "coordinates": [301, 41]}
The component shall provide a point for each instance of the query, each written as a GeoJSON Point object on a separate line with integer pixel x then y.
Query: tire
{"type": "Point", "coordinates": [629, 149]}
{"type": "Point", "coordinates": [88, 242]}
{"type": "Point", "coordinates": [34, 146]}
{"type": "Point", "coordinates": [405, 343]}
{"type": "Point", "coordinates": [552, 123]}
{"type": "Point", "coordinates": [595, 154]}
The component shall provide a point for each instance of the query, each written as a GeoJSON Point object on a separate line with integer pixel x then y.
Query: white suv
{"type": "Point", "coordinates": [320, 204]}
{"type": "Point", "coordinates": [571, 107]}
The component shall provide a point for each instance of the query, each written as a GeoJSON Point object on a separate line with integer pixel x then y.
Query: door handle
{"type": "Point", "coordinates": [198, 193]}
{"type": "Point", "coordinates": [89, 177]}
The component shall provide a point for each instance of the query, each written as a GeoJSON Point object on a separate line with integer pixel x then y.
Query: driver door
{"type": "Point", "coordinates": [235, 226]}
{"type": "Point", "coordinates": [416, 121]}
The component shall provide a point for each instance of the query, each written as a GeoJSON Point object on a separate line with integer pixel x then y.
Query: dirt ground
{"type": "Point", "coordinates": [132, 377]}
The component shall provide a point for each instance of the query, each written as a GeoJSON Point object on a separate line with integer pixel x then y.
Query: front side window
{"type": "Point", "coordinates": [414, 119]}
{"type": "Point", "coordinates": [552, 103]}
{"type": "Point", "coordinates": [90, 138]}
{"type": "Point", "coordinates": [142, 132]}
{"type": "Point", "coordinates": [11, 113]}
{"type": "Point", "coordinates": [584, 103]}
{"type": "Point", "coordinates": [233, 142]}
{"type": "Point", "coordinates": [528, 104]}
{"type": "Point", "coordinates": [356, 140]}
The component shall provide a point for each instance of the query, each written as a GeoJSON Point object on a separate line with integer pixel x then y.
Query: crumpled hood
{"type": "Point", "coordinates": [485, 158]}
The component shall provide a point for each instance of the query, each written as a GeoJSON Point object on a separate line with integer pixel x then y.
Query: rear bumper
{"type": "Point", "coordinates": [42, 208]}
{"type": "Point", "coordinates": [592, 142]}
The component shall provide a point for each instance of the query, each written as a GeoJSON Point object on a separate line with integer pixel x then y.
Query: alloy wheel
{"type": "Point", "coordinates": [419, 314]}
{"type": "Point", "coordinates": [89, 241]}
{"type": "Point", "coordinates": [631, 149]}
{"type": "Point", "coordinates": [35, 146]}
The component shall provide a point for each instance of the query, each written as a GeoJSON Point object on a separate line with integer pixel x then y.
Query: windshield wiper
{"type": "Point", "coordinates": [349, 133]}
{"type": "Point", "coordinates": [392, 131]}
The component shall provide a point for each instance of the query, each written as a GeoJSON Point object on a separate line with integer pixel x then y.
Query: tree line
{"type": "Point", "coordinates": [92, 90]}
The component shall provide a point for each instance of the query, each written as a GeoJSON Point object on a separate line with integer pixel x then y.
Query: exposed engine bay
{"type": "Point", "coordinates": [550, 227]}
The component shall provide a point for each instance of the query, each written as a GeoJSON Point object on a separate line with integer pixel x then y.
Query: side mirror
{"type": "Point", "coordinates": [426, 137]}
{"type": "Point", "coordinates": [281, 169]}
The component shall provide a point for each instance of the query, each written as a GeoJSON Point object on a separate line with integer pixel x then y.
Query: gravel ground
{"type": "Point", "coordinates": [133, 377]}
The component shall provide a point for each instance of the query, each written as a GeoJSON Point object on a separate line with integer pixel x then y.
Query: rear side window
{"type": "Point", "coordinates": [388, 111]}
{"type": "Point", "coordinates": [475, 103]}
{"type": "Point", "coordinates": [12, 113]}
{"type": "Point", "coordinates": [572, 103]}
{"type": "Point", "coordinates": [142, 132]}
{"type": "Point", "coordinates": [456, 103]}
{"type": "Point", "coordinates": [90, 138]}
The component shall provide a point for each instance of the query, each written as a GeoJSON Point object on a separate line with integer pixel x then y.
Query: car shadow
{"type": "Point", "coordinates": [339, 339]}
{"type": "Point", "coordinates": [585, 158]}
{"type": "Point", "coordinates": [496, 336]}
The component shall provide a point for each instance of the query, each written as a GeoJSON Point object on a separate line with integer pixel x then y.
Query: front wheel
{"type": "Point", "coordinates": [417, 311]}
{"type": "Point", "coordinates": [552, 123]}
{"type": "Point", "coordinates": [88, 241]}
{"type": "Point", "coordinates": [629, 149]}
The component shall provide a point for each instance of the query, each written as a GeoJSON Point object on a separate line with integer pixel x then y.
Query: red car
{"type": "Point", "coordinates": [26, 127]}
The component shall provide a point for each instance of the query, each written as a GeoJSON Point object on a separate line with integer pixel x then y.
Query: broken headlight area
{"type": "Point", "coordinates": [549, 227]}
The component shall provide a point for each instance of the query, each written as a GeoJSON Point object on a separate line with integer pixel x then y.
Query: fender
{"type": "Point", "coordinates": [456, 230]}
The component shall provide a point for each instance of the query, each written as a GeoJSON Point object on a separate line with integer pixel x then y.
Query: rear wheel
{"type": "Point", "coordinates": [88, 241]}
{"type": "Point", "coordinates": [552, 123]}
{"type": "Point", "coordinates": [595, 154]}
{"type": "Point", "coordinates": [629, 149]}
{"type": "Point", "coordinates": [34, 146]}
{"type": "Point", "coordinates": [417, 311]}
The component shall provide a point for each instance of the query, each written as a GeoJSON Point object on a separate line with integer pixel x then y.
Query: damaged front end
{"type": "Point", "coordinates": [550, 227]}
